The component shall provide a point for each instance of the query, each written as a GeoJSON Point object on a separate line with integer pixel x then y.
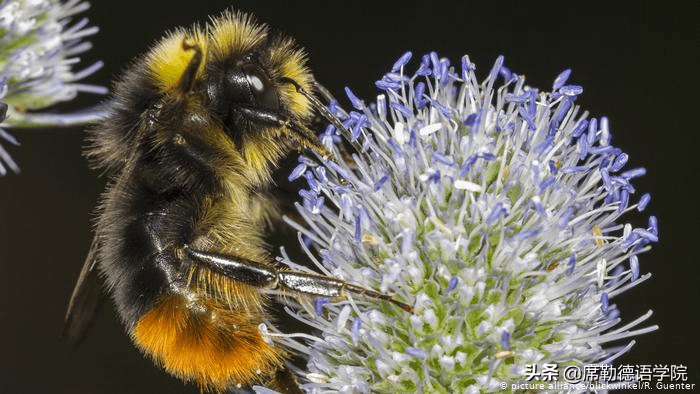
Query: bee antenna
{"type": "Point", "coordinates": [324, 111]}
{"type": "Point", "coordinates": [188, 77]}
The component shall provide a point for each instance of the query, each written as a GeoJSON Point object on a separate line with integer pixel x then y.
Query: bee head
{"type": "Point", "coordinates": [211, 99]}
{"type": "Point", "coordinates": [237, 69]}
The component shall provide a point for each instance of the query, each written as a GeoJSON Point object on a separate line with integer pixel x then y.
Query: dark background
{"type": "Point", "coordinates": [638, 66]}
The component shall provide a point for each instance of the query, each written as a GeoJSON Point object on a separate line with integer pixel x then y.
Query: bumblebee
{"type": "Point", "coordinates": [195, 128]}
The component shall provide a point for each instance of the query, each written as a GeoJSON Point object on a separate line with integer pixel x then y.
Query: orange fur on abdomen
{"type": "Point", "coordinates": [202, 341]}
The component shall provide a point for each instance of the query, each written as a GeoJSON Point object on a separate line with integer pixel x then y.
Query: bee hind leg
{"type": "Point", "coordinates": [262, 275]}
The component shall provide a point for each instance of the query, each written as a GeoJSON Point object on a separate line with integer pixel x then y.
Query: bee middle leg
{"type": "Point", "coordinates": [262, 275]}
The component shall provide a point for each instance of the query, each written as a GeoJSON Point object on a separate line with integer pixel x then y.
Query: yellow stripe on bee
{"type": "Point", "coordinates": [234, 33]}
{"type": "Point", "coordinates": [168, 61]}
{"type": "Point", "coordinates": [292, 65]}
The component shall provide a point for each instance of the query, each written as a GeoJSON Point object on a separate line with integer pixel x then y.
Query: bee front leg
{"type": "Point", "coordinates": [257, 274]}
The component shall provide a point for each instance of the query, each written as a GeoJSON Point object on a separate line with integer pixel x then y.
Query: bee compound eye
{"type": "Point", "coordinates": [244, 85]}
{"type": "Point", "coordinates": [261, 87]}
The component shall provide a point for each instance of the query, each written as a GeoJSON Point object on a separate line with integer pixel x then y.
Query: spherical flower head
{"type": "Point", "coordinates": [38, 48]}
{"type": "Point", "coordinates": [497, 210]}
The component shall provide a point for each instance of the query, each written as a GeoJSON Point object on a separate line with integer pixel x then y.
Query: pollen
{"type": "Point", "coordinates": [598, 233]}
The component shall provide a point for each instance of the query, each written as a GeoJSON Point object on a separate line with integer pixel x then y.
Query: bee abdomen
{"type": "Point", "coordinates": [204, 343]}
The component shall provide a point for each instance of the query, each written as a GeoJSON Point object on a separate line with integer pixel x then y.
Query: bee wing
{"type": "Point", "coordinates": [84, 301]}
